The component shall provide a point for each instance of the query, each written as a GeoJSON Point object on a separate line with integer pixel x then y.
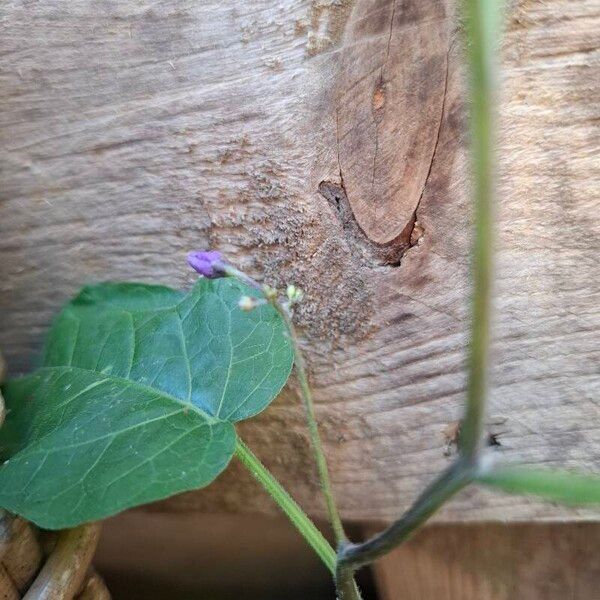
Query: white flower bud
{"type": "Point", "coordinates": [269, 292]}
{"type": "Point", "coordinates": [294, 294]}
{"type": "Point", "coordinates": [247, 303]}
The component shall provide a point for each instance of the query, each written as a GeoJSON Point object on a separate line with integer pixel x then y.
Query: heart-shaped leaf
{"type": "Point", "coordinates": [137, 397]}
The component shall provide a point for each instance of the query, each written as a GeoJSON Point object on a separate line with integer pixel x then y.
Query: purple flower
{"type": "Point", "coordinates": [209, 263]}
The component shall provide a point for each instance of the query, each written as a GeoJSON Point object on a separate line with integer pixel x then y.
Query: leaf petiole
{"type": "Point", "coordinates": [288, 505]}
{"type": "Point", "coordinates": [568, 487]}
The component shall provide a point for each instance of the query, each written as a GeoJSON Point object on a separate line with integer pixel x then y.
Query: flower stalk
{"type": "Point", "coordinates": [284, 310]}
{"type": "Point", "coordinates": [309, 407]}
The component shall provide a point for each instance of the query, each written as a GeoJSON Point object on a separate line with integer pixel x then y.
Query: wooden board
{"type": "Point", "coordinates": [494, 562]}
{"type": "Point", "coordinates": [321, 143]}
{"type": "Point", "coordinates": [269, 560]}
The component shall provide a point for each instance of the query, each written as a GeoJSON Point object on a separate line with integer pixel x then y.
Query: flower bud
{"type": "Point", "coordinates": [247, 303]}
{"type": "Point", "coordinates": [209, 263]}
{"type": "Point", "coordinates": [270, 293]}
{"type": "Point", "coordinates": [294, 294]}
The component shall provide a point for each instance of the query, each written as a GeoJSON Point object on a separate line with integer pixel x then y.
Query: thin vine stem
{"type": "Point", "coordinates": [309, 407]}
{"type": "Point", "coordinates": [288, 505]}
{"type": "Point", "coordinates": [307, 399]}
{"type": "Point", "coordinates": [344, 578]}
{"type": "Point", "coordinates": [451, 481]}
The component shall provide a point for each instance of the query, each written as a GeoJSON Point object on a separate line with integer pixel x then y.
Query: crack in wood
{"type": "Point", "coordinates": [413, 239]}
{"type": "Point", "coordinates": [368, 252]}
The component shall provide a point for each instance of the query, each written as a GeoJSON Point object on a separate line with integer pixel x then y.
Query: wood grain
{"type": "Point", "coordinates": [494, 562]}
{"type": "Point", "coordinates": [321, 143]}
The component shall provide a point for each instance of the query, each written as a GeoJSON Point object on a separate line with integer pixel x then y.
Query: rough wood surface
{"type": "Point", "coordinates": [321, 143]}
{"type": "Point", "coordinates": [494, 562]}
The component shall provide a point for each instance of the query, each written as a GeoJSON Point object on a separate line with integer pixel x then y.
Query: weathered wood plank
{"type": "Point", "coordinates": [321, 143]}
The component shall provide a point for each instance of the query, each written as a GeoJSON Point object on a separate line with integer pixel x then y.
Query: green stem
{"type": "Point", "coordinates": [345, 586]}
{"type": "Point", "coordinates": [309, 407]}
{"type": "Point", "coordinates": [457, 476]}
{"type": "Point", "coordinates": [288, 505]}
{"type": "Point", "coordinates": [481, 27]}
{"type": "Point", "coordinates": [344, 578]}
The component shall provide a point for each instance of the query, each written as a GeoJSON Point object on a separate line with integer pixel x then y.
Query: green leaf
{"type": "Point", "coordinates": [137, 398]}
{"type": "Point", "coordinates": [200, 348]}
{"type": "Point", "coordinates": [561, 486]}
{"type": "Point", "coordinates": [95, 445]}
